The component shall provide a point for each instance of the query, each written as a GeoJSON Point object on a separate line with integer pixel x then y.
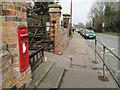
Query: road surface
{"type": "Point", "coordinates": [110, 41]}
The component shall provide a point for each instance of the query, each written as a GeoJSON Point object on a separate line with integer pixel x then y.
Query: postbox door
{"type": "Point", "coordinates": [24, 55]}
{"type": "Point", "coordinates": [23, 48]}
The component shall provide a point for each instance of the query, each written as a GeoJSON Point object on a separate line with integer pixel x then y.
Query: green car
{"type": "Point", "coordinates": [89, 34]}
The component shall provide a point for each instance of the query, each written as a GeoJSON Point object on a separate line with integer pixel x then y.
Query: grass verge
{"type": "Point", "coordinates": [112, 33]}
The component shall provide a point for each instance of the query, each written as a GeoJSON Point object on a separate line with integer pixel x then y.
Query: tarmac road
{"type": "Point", "coordinates": [110, 41]}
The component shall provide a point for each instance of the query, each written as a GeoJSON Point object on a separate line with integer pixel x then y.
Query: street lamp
{"type": "Point", "coordinates": [93, 19]}
{"type": "Point", "coordinates": [103, 24]}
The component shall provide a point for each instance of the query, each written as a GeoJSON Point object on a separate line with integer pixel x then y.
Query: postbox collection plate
{"type": "Point", "coordinates": [23, 48]}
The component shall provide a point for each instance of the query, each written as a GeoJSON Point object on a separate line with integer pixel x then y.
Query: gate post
{"type": "Point", "coordinates": [55, 14]}
{"type": "Point", "coordinates": [66, 18]}
{"type": "Point", "coordinates": [13, 15]}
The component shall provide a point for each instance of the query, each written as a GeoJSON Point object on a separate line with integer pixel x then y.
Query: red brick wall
{"type": "Point", "coordinates": [66, 40]}
{"type": "Point", "coordinates": [66, 19]}
{"type": "Point", "coordinates": [55, 14]}
{"type": "Point", "coordinates": [13, 16]}
{"type": "Point", "coordinates": [64, 45]}
{"type": "Point", "coordinates": [56, 17]}
{"type": "Point", "coordinates": [6, 72]}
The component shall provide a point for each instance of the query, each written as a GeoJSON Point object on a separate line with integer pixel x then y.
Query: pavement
{"type": "Point", "coordinates": [73, 69]}
{"type": "Point", "coordinates": [60, 60]}
{"type": "Point", "coordinates": [49, 73]}
{"type": "Point", "coordinates": [83, 73]}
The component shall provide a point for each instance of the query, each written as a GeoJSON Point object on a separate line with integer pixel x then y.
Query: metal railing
{"type": "Point", "coordinates": [36, 58]}
{"type": "Point", "coordinates": [103, 58]}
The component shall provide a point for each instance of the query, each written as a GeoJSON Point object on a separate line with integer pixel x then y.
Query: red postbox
{"type": "Point", "coordinates": [23, 48]}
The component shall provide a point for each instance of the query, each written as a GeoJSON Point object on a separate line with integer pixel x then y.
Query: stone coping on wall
{"type": "Point", "coordinates": [66, 14]}
{"type": "Point", "coordinates": [55, 6]}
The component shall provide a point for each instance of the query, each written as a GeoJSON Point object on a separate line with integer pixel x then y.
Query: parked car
{"type": "Point", "coordinates": [82, 32]}
{"type": "Point", "coordinates": [78, 30]}
{"type": "Point", "coordinates": [89, 34]}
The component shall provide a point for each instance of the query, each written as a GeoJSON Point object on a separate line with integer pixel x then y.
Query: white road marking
{"type": "Point", "coordinates": [98, 44]}
{"type": "Point", "coordinates": [106, 51]}
{"type": "Point", "coordinates": [90, 41]}
{"type": "Point", "coordinates": [101, 46]}
{"type": "Point", "coordinates": [112, 48]}
{"type": "Point", "coordinates": [111, 54]}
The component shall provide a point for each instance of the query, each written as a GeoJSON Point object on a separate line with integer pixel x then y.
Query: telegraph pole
{"type": "Point", "coordinates": [71, 15]}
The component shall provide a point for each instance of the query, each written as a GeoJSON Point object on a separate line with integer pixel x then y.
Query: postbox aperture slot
{"type": "Point", "coordinates": [24, 42]}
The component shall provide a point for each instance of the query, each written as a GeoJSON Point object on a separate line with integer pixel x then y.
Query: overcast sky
{"type": "Point", "coordinates": [81, 8]}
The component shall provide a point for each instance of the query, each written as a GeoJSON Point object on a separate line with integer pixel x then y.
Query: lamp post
{"type": "Point", "coordinates": [71, 15]}
{"type": "Point", "coordinates": [103, 24]}
{"type": "Point", "coordinates": [93, 20]}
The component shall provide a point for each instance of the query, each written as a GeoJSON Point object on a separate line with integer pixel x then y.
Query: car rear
{"type": "Point", "coordinates": [81, 32]}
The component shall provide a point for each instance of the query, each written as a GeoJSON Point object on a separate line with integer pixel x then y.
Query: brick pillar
{"type": "Point", "coordinates": [13, 15]}
{"type": "Point", "coordinates": [55, 14]}
{"type": "Point", "coordinates": [66, 18]}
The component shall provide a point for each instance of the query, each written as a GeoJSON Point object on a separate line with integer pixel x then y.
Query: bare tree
{"type": "Point", "coordinates": [104, 12]}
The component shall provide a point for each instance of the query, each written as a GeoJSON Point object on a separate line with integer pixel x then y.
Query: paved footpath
{"type": "Point", "coordinates": [83, 73]}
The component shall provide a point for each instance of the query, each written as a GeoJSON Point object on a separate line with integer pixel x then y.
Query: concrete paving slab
{"type": "Point", "coordinates": [78, 60]}
{"type": "Point", "coordinates": [39, 73]}
{"type": "Point", "coordinates": [79, 69]}
{"type": "Point", "coordinates": [60, 61]}
{"type": "Point", "coordinates": [110, 84]}
{"type": "Point", "coordinates": [87, 61]}
{"type": "Point", "coordinates": [79, 79]}
{"type": "Point", "coordinates": [53, 78]}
